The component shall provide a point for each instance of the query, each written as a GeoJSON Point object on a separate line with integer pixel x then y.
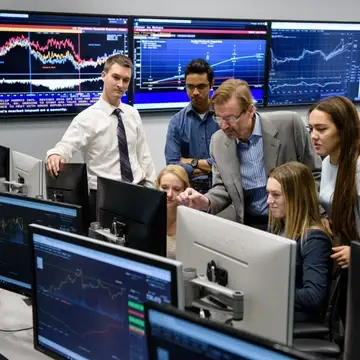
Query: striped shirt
{"type": "Point", "coordinates": [252, 170]}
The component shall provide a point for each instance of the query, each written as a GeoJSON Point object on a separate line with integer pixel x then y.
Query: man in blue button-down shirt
{"type": "Point", "coordinates": [190, 130]}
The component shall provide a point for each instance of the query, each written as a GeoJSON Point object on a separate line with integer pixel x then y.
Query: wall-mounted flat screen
{"type": "Point", "coordinates": [51, 63]}
{"type": "Point", "coordinates": [311, 61]}
{"type": "Point", "coordinates": [163, 47]}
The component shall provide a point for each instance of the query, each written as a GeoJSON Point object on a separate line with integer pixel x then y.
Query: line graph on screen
{"type": "Point", "coordinates": [55, 51]}
{"type": "Point", "coordinates": [54, 68]}
{"type": "Point", "coordinates": [161, 63]}
{"type": "Point", "coordinates": [87, 291]}
{"type": "Point", "coordinates": [306, 66]}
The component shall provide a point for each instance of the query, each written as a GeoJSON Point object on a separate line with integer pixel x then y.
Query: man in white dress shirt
{"type": "Point", "coordinates": [102, 131]}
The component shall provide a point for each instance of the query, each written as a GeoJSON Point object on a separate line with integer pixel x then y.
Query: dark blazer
{"type": "Point", "coordinates": [313, 276]}
{"type": "Point", "coordinates": [285, 139]}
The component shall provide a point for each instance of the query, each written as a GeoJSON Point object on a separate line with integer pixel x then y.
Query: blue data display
{"type": "Point", "coordinates": [52, 64]}
{"type": "Point", "coordinates": [90, 304]}
{"type": "Point", "coordinates": [15, 217]}
{"type": "Point", "coordinates": [310, 61]}
{"type": "Point", "coordinates": [163, 48]}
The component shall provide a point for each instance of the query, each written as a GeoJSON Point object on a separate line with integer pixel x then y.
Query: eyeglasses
{"type": "Point", "coordinates": [229, 120]}
{"type": "Point", "coordinates": [200, 87]}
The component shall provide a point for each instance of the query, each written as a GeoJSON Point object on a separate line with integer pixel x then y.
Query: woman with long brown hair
{"type": "Point", "coordinates": [294, 213]}
{"type": "Point", "coordinates": [335, 132]}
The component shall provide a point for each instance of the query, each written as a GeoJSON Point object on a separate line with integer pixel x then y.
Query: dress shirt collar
{"type": "Point", "coordinates": [190, 107]}
{"type": "Point", "coordinates": [108, 108]}
{"type": "Point", "coordinates": [256, 130]}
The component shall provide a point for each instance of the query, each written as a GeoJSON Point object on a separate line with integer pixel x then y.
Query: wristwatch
{"type": "Point", "coordinates": [194, 163]}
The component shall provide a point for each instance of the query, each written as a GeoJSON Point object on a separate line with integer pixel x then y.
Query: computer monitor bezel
{"type": "Point", "coordinates": [174, 267]}
{"type": "Point", "coordinates": [43, 116]}
{"type": "Point", "coordinates": [7, 168]}
{"type": "Point", "coordinates": [80, 188]}
{"type": "Point", "coordinates": [15, 155]}
{"type": "Point", "coordinates": [80, 168]}
{"type": "Point", "coordinates": [17, 289]}
{"type": "Point", "coordinates": [112, 190]}
{"type": "Point", "coordinates": [251, 268]}
{"type": "Point", "coordinates": [227, 330]}
{"type": "Point", "coordinates": [185, 18]}
{"type": "Point", "coordinates": [268, 65]}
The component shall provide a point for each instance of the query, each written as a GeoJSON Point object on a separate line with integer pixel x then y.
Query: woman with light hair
{"type": "Point", "coordinates": [294, 213]}
{"type": "Point", "coordinates": [173, 179]}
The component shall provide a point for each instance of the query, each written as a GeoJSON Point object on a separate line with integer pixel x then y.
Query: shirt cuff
{"type": "Point", "coordinates": [53, 152]}
{"type": "Point", "coordinates": [208, 211]}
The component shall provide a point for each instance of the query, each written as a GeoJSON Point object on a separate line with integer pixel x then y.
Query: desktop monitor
{"type": "Point", "coordinates": [259, 264]}
{"type": "Point", "coordinates": [70, 186]}
{"type": "Point", "coordinates": [352, 330]}
{"type": "Point", "coordinates": [16, 213]}
{"type": "Point", "coordinates": [4, 167]}
{"type": "Point", "coordinates": [164, 46]}
{"type": "Point", "coordinates": [178, 335]}
{"type": "Point", "coordinates": [313, 60]}
{"type": "Point", "coordinates": [141, 209]}
{"type": "Point", "coordinates": [88, 295]}
{"type": "Point", "coordinates": [51, 63]}
{"type": "Point", "coordinates": [26, 175]}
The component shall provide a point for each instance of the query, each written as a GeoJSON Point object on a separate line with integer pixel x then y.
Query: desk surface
{"type": "Point", "coordinates": [15, 314]}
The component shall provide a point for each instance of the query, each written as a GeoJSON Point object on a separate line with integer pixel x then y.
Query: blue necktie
{"type": "Point", "coordinates": [125, 168]}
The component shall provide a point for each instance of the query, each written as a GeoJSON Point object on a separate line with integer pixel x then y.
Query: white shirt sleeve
{"type": "Point", "coordinates": [144, 156]}
{"type": "Point", "coordinates": [76, 137]}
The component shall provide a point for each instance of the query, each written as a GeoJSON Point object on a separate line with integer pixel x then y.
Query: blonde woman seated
{"type": "Point", "coordinates": [173, 179]}
{"type": "Point", "coordinates": [294, 213]}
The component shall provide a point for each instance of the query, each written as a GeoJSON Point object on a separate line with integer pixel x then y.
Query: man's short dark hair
{"type": "Point", "coordinates": [199, 66]}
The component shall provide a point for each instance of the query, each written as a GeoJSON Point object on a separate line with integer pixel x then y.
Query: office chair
{"type": "Point", "coordinates": [318, 338]}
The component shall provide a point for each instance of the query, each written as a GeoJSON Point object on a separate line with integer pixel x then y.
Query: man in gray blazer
{"type": "Point", "coordinates": [244, 150]}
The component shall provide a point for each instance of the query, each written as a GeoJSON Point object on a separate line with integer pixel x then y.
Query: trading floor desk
{"type": "Point", "coordinates": [15, 314]}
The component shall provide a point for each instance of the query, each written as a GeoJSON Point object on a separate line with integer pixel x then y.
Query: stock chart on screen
{"type": "Point", "coordinates": [90, 304]}
{"type": "Point", "coordinates": [52, 63]}
{"type": "Point", "coordinates": [16, 214]}
{"type": "Point", "coordinates": [163, 48]}
{"type": "Point", "coordinates": [310, 61]}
